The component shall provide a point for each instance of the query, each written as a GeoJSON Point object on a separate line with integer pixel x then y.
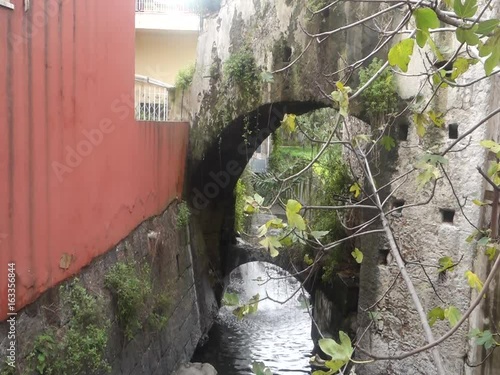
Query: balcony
{"type": "Point", "coordinates": [164, 6]}
{"type": "Point", "coordinates": [166, 15]}
{"type": "Point", "coordinates": [151, 99]}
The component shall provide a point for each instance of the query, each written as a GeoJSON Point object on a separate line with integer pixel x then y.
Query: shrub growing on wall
{"type": "Point", "coordinates": [380, 98]}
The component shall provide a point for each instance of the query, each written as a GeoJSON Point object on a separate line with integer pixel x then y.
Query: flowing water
{"type": "Point", "coordinates": [277, 334]}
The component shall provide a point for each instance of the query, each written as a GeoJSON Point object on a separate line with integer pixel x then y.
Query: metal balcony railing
{"type": "Point", "coordinates": [151, 99]}
{"type": "Point", "coordinates": [164, 6]}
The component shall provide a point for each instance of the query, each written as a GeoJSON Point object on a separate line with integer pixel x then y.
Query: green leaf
{"type": "Point", "coordinates": [477, 202]}
{"type": "Point", "coordinates": [465, 10]}
{"type": "Point", "coordinates": [388, 142]}
{"type": "Point", "coordinates": [437, 118]}
{"type": "Point", "coordinates": [253, 304]}
{"type": "Point", "coordinates": [271, 243]}
{"type": "Point", "coordinates": [435, 314]}
{"type": "Point", "coordinates": [249, 209]}
{"type": "Point", "coordinates": [262, 231]}
{"type": "Point", "coordinates": [321, 372]}
{"type": "Point", "coordinates": [425, 19]}
{"type": "Point", "coordinates": [334, 366]}
{"type": "Point", "coordinates": [428, 172]}
{"type": "Point", "coordinates": [453, 315]}
{"type": "Point", "coordinates": [338, 352]}
{"type": "Point", "coordinates": [422, 37]}
{"type": "Point", "coordinates": [294, 219]}
{"type": "Point", "coordinates": [434, 159]}
{"type": "Point", "coordinates": [231, 299]}
{"type": "Point", "coordinates": [467, 36]}
{"type": "Point", "coordinates": [491, 251]}
{"type": "Point", "coordinates": [252, 204]}
{"type": "Point", "coordinates": [474, 281]}
{"type": "Point", "coordinates": [289, 122]}
{"type": "Point", "coordinates": [484, 338]}
{"type": "Point", "coordinates": [360, 139]}
{"type": "Point", "coordinates": [275, 223]}
{"type": "Point", "coordinates": [460, 66]}
{"type": "Point", "coordinates": [472, 236]}
{"type": "Point", "coordinates": [421, 121]}
{"type": "Point", "coordinates": [484, 241]}
{"type": "Point", "coordinates": [267, 77]}
{"type": "Point", "coordinates": [446, 264]}
{"type": "Point", "coordinates": [400, 54]}
{"type": "Point", "coordinates": [287, 241]}
{"type": "Point", "coordinates": [293, 206]}
{"type": "Point", "coordinates": [486, 27]}
{"type": "Point", "coordinates": [355, 189]}
{"type": "Point", "coordinates": [341, 96]}
{"type": "Point", "coordinates": [258, 199]}
{"type": "Point", "coordinates": [490, 145]}
{"type": "Point", "coordinates": [241, 312]}
{"type": "Point", "coordinates": [259, 368]}
{"type": "Point", "coordinates": [357, 255]}
{"type": "Point", "coordinates": [491, 48]}
{"type": "Point", "coordinates": [308, 260]}
{"type": "Point", "coordinates": [493, 169]}
{"type": "Point", "coordinates": [319, 234]}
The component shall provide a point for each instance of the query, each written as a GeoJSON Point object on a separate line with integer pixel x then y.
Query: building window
{"type": "Point", "coordinates": [383, 257]}
{"type": "Point", "coordinates": [447, 215]}
{"type": "Point", "coordinates": [287, 54]}
{"type": "Point", "coordinates": [402, 132]}
{"type": "Point", "coordinates": [453, 131]}
{"type": "Point", "coordinates": [398, 206]}
{"type": "Point", "coordinates": [151, 99]}
{"type": "Point", "coordinates": [7, 4]}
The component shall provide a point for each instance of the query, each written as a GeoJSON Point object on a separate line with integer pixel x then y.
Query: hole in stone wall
{"type": "Point", "coordinates": [398, 205]}
{"type": "Point", "coordinates": [402, 132]}
{"type": "Point", "coordinates": [447, 215]}
{"type": "Point", "coordinates": [383, 254]}
{"type": "Point", "coordinates": [287, 54]}
{"type": "Point", "coordinates": [453, 131]}
{"type": "Point", "coordinates": [178, 265]}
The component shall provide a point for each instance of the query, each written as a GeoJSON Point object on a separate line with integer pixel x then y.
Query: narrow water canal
{"type": "Point", "coordinates": [277, 334]}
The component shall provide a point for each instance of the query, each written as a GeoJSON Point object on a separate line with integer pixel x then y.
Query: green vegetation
{"type": "Point", "coordinates": [183, 215]}
{"type": "Point", "coordinates": [137, 305]}
{"type": "Point", "coordinates": [80, 346]}
{"type": "Point", "coordinates": [242, 71]}
{"type": "Point", "coordinates": [296, 152]}
{"type": "Point", "coordinates": [131, 287]}
{"type": "Point", "coordinates": [380, 99]}
{"type": "Point", "coordinates": [242, 189]}
{"type": "Point", "coordinates": [231, 299]}
{"type": "Point", "coordinates": [316, 5]}
{"type": "Point", "coordinates": [234, 91]}
{"type": "Point", "coordinates": [7, 370]}
{"type": "Point", "coordinates": [184, 78]}
{"type": "Point", "coordinates": [329, 182]}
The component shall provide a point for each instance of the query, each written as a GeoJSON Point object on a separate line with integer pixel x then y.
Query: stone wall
{"type": "Point", "coordinates": [179, 272]}
{"type": "Point", "coordinates": [428, 232]}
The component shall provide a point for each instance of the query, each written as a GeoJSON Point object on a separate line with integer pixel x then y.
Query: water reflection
{"type": "Point", "coordinates": [277, 334]}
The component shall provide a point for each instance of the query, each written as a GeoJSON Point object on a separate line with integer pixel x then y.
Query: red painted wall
{"type": "Point", "coordinates": [77, 172]}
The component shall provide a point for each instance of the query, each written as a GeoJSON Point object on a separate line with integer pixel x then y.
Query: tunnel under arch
{"type": "Point", "coordinates": [278, 273]}
{"type": "Point", "coordinates": [213, 179]}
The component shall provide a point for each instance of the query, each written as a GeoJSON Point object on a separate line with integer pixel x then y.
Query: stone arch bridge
{"type": "Point", "coordinates": [233, 109]}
